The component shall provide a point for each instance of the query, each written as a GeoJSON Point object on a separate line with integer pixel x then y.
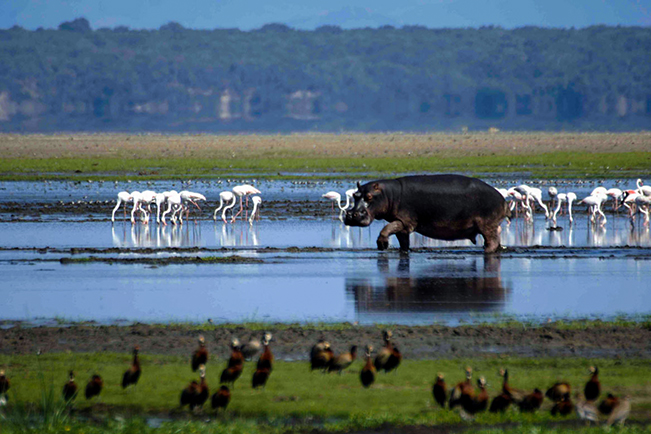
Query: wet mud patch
{"type": "Point", "coordinates": [292, 342]}
{"type": "Point", "coordinates": [197, 260]}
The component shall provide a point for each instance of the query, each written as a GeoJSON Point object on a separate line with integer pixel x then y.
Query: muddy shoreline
{"type": "Point", "coordinates": [294, 342]}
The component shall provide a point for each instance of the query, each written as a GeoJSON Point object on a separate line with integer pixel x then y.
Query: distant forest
{"type": "Point", "coordinates": [275, 78]}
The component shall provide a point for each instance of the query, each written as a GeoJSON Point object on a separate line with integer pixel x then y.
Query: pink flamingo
{"type": "Point", "coordinates": [123, 197]}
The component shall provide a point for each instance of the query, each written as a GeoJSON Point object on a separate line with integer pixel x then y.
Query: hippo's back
{"type": "Point", "coordinates": [451, 196]}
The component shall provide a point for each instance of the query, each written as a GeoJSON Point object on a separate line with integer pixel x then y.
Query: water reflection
{"type": "Point", "coordinates": [462, 285]}
{"type": "Point", "coordinates": [150, 236]}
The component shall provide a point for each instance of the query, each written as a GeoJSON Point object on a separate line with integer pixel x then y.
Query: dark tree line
{"type": "Point", "coordinates": [278, 78]}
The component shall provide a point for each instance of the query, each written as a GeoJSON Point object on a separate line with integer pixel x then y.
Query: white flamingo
{"type": "Point", "coordinates": [173, 201]}
{"type": "Point", "coordinates": [123, 197]}
{"type": "Point", "coordinates": [560, 197]}
{"type": "Point", "coordinates": [644, 190]}
{"type": "Point", "coordinates": [257, 201]}
{"type": "Point", "coordinates": [594, 204]}
{"type": "Point", "coordinates": [192, 197]}
{"type": "Point", "coordinates": [244, 190]}
{"type": "Point", "coordinates": [571, 197]}
{"type": "Point", "coordinates": [224, 198]}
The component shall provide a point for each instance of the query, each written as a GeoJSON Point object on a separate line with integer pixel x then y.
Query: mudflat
{"type": "Point", "coordinates": [294, 342]}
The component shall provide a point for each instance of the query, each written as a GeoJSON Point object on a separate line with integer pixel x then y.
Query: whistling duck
{"type": "Point", "coordinates": [221, 398]}
{"type": "Point", "coordinates": [94, 386]}
{"type": "Point", "coordinates": [367, 376]}
{"type": "Point", "coordinates": [266, 360]}
{"type": "Point", "coordinates": [342, 361]}
{"type": "Point", "coordinates": [235, 364]}
{"type": "Point", "coordinates": [462, 388]}
{"type": "Point", "coordinates": [592, 387]}
{"type": "Point", "coordinates": [500, 403]}
{"type": "Point", "coordinates": [5, 384]}
{"type": "Point", "coordinates": [586, 410]}
{"type": "Point", "coordinates": [251, 348]}
{"type": "Point", "coordinates": [189, 395]}
{"type": "Point", "coordinates": [385, 352]}
{"type": "Point", "coordinates": [200, 356]}
{"type": "Point", "coordinates": [439, 390]}
{"type": "Point", "coordinates": [607, 405]}
{"type": "Point", "coordinates": [203, 391]}
{"type": "Point", "coordinates": [557, 392]}
{"type": "Point", "coordinates": [70, 388]}
{"type": "Point", "coordinates": [564, 406]}
{"type": "Point", "coordinates": [620, 412]}
{"type": "Point", "coordinates": [132, 374]}
{"type": "Point", "coordinates": [532, 401]}
{"type": "Point", "coordinates": [321, 356]}
{"type": "Point", "coordinates": [515, 394]}
{"type": "Point", "coordinates": [472, 403]}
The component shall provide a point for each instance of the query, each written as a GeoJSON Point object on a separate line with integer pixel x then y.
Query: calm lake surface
{"type": "Point", "coordinates": [311, 269]}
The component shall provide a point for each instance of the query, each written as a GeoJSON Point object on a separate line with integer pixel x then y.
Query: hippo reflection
{"type": "Point", "coordinates": [456, 286]}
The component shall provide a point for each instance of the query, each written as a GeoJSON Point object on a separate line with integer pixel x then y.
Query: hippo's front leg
{"type": "Point", "coordinates": [390, 229]}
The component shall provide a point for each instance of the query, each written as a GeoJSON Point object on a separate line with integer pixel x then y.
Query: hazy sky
{"type": "Point", "coordinates": [308, 14]}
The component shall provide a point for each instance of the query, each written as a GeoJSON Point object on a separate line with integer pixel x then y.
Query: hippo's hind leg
{"type": "Point", "coordinates": [403, 239]}
{"type": "Point", "coordinates": [390, 229]}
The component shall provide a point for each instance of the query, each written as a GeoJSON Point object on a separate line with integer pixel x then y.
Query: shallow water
{"type": "Point", "coordinates": [579, 272]}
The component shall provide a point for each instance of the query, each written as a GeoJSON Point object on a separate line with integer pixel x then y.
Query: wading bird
{"type": "Point", "coordinates": [241, 191]}
{"type": "Point", "coordinates": [124, 197]}
{"type": "Point", "coordinates": [203, 391]}
{"type": "Point", "coordinates": [257, 201]}
{"type": "Point", "coordinates": [224, 198]}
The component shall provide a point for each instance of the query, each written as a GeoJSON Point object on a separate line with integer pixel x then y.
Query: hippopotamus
{"type": "Point", "coordinates": [445, 207]}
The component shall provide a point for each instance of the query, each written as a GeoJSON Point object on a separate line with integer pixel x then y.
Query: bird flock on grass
{"type": "Point", "coordinates": [463, 395]}
{"type": "Point", "coordinates": [524, 199]}
{"type": "Point", "coordinates": [177, 203]}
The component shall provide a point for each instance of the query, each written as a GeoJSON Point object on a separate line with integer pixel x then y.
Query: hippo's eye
{"type": "Point", "coordinates": [369, 197]}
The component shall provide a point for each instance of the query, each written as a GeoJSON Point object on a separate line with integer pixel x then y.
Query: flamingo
{"type": "Point", "coordinates": [629, 201]}
{"type": "Point", "coordinates": [173, 201]}
{"type": "Point", "coordinates": [136, 197]}
{"type": "Point", "coordinates": [643, 203]}
{"type": "Point", "coordinates": [561, 197]}
{"type": "Point", "coordinates": [160, 202]}
{"type": "Point", "coordinates": [123, 196]}
{"type": "Point", "coordinates": [244, 190]}
{"type": "Point", "coordinates": [594, 203]}
{"type": "Point", "coordinates": [224, 197]}
{"type": "Point", "coordinates": [571, 197]}
{"type": "Point", "coordinates": [552, 192]}
{"type": "Point", "coordinates": [349, 196]}
{"type": "Point", "coordinates": [147, 197]}
{"type": "Point", "coordinates": [599, 191]}
{"type": "Point", "coordinates": [336, 197]}
{"type": "Point", "coordinates": [644, 190]}
{"type": "Point", "coordinates": [190, 196]}
{"type": "Point", "coordinates": [257, 200]}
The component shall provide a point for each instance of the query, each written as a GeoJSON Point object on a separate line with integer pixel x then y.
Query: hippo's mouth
{"type": "Point", "coordinates": [358, 219]}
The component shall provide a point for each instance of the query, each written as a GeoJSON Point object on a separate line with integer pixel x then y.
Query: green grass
{"type": "Point", "coordinates": [561, 164]}
{"type": "Point", "coordinates": [294, 392]}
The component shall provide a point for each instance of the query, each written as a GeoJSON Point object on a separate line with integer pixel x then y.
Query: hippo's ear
{"type": "Point", "coordinates": [359, 185]}
{"type": "Point", "coordinates": [376, 187]}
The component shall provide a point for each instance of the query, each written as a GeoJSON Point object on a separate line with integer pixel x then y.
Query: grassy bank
{"type": "Point", "coordinates": [117, 157]}
{"type": "Point", "coordinates": [295, 394]}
